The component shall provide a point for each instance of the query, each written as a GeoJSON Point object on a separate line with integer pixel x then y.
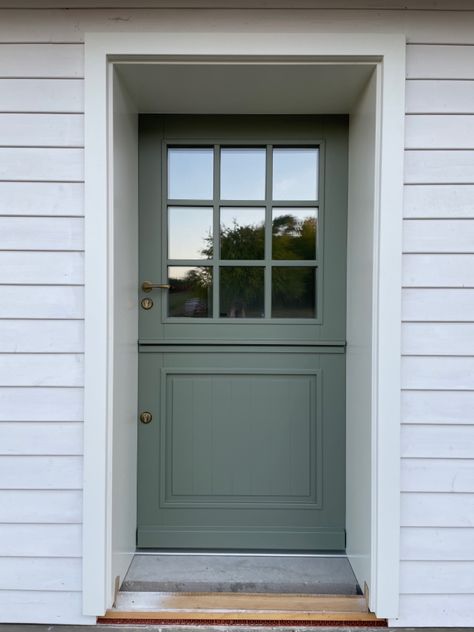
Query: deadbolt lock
{"type": "Point", "coordinates": [146, 417]}
{"type": "Point", "coordinates": [147, 303]}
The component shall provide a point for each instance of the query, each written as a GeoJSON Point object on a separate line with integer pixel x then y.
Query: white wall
{"type": "Point", "coordinates": [359, 354]}
{"type": "Point", "coordinates": [125, 327]}
{"type": "Point", "coordinates": [437, 537]}
{"type": "Point", "coordinates": [41, 275]}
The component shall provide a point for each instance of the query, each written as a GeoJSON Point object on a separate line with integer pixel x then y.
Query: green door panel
{"type": "Point", "coordinates": [246, 449]}
{"type": "Point", "coordinates": [329, 133]}
{"type": "Point", "coordinates": [242, 361]}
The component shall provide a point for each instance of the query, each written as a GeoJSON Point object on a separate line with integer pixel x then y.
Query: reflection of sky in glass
{"type": "Point", "coordinates": [179, 272]}
{"type": "Point", "coordinates": [295, 174]}
{"type": "Point", "coordinates": [243, 173]}
{"type": "Point", "coordinates": [241, 217]}
{"type": "Point", "coordinates": [188, 231]}
{"type": "Point", "coordinates": [190, 173]}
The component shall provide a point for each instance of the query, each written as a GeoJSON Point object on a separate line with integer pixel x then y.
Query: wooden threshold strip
{"type": "Point", "coordinates": [239, 607]}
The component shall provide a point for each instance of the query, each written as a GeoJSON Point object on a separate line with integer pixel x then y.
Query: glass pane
{"type": "Point", "coordinates": [190, 173]}
{"type": "Point", "coordinates": [243, 173]}
{"type": "Point", "coordinates": [241, 292]}
{"type": "Point", "coordinates": [190, 294]}
{"type": "Point", "coordinates": [293, 292]}
{"type": "Point", "coordinates": [294, 233]}
{"type": "Point", "coordinates": [295, 173]}
{"type": "Point", "coordinates": [242, 233]}
{"type": "Point", "coordinates": [189, 232]}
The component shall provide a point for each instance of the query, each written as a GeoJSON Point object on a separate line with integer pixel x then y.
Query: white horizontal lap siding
{"type": "Point", "coordinates": [42, 336]}
{"type": "Point", "coordinates": [40, 301]}
{"type": "Point", "coordinates": [41, 277]}
{"type": "Point", "coordinates": [41, 506]}
{"type": "Point", "coordinates": [41, 472]}
{"type": "Point", "coordinates": [41, 438]}
{"type": "Point", "coordinates": [437, 475]}
{"type": "Point", "coordinates": [441, 441]}
{"type": "Point", "coordinates": [42, 198]}
{"type": "Point", "coordinates": [41, 331]}
{"type": "Point", "coordinates": [419, 338]}
{"type": "Point", "coordinates": [428, 543]}
{"type": "Point", "coordinates": [40, 540]}
{"type": "Point", "coordinates": [48, 130]}
{"type": "Point", "coordinates": [41, 268]}
{"type": "Point", "coordinates": [437, 96]}
{"type": "Point", "coordinates": [437, 435]}
{"type": "Point", "coordinates": [41, 606]}
{"type": "Point", "coordinates": [41, 233]}
{"type": "Point", "coordinates": [42, 369]}
{"type": "Point", "coordinates": [26, 573]}
{"type": "Point", "coordinates": [42, 95]}
{"type": "Point", "coordinates": [31, 164]}
{"type": "Point", "coordinates": [48, 61]}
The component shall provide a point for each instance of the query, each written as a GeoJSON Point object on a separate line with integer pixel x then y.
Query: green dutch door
{"type": "Point", "coordinates": [242, 332]}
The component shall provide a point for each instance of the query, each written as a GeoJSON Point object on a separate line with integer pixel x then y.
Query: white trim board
{"type": "Point", "coordinates": [104, 556]}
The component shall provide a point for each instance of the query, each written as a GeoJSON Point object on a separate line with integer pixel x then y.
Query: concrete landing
{"type": "Point", "coordinates": [198, 573]}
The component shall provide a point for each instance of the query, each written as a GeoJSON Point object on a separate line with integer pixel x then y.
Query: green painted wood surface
{"type": "Point", "coordinates": [246, 449]}
{"type": "Point", "coordinates": [328, 131]}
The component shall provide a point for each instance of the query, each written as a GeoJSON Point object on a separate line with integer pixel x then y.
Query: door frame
{"type": "Point", "coordinates": [111, 283]}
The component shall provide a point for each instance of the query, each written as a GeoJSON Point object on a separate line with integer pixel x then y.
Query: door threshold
{"type": "Point", "coordinates": [241, 608]}
{"type": "Point", "coordinates": [225, 553]}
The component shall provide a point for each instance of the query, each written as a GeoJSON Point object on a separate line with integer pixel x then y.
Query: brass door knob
{"type": "Point", "coordinates": [146, 417]}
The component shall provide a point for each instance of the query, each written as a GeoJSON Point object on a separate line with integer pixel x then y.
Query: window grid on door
{"type": "Point", "coordinates": [281, 277]}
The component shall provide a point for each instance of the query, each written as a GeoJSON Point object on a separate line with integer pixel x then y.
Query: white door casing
{"type": "Point", "coordinates": [374, 287]}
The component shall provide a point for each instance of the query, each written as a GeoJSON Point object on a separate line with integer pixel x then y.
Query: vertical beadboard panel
{"type": "Point", "coordinates": [438, 310]}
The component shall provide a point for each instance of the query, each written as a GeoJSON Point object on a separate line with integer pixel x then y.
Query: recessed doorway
{"type": "Point", "coordinates": [149, 80]}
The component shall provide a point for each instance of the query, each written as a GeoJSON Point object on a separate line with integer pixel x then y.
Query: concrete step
{"type": "Point", "coordinates": [204, 573]}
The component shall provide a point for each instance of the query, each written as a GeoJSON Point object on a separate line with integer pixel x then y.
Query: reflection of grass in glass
{"type": "Point", "coordinates": [293, 292]}
{"type": "Point", "coordinates": [191, 293]}
{"type": "Point", "coordinates": [241, 290]}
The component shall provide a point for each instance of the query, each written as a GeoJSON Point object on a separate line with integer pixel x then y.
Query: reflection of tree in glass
{"type": "Point", "coordinates": [293, 292]}
{"type": "Point", "coordinates": [242, 242]}
{"type": "Point", "coordinates": [294, 238]}
{"type": "Point", "coordinates": [241, 290]}
{"type": "Point", "coordinates": [242, 287]}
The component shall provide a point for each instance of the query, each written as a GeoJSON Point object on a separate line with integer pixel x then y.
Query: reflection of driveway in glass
{"type": "Point", "coordinates": [194, 307]}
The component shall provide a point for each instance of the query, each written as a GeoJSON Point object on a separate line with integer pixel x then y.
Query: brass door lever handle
{"type": "Point", "coordinates": [148, 287]}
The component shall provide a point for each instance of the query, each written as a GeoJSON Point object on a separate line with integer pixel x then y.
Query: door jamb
{"type": "Point", "coordinates": [101, 50]}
